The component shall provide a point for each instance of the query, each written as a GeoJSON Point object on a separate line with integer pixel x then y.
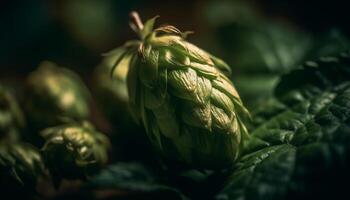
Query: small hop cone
{"type": "Point", "coordinates": [190, 109]}
{"type": "Point", "coordinates": [74, 150]}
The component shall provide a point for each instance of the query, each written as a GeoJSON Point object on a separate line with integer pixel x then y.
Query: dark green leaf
{"type": "Point", "coordinates": [302, 150]}
{"type": "Point", "coordinates": [134, 179]}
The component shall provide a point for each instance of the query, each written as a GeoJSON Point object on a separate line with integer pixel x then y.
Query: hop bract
{"type": "Point", "coordinates": [190, 109]}
{"type": "Point", "coordinates": [74, 150]}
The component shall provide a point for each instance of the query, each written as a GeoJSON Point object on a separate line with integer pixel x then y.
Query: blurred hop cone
{"type": "Point", "coordinates": [55, 94]}
{"type": "Point", "coordinates": [74, 150]}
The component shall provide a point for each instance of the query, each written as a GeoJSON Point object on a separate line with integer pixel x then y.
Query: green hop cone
{"type": "Point", "coordinates": [55, 93]}
{"type": "Point", "coordinates": [74, 150]}
{"type": "Point", "coordinates": [11, 116]}
{"type": "Point", "coordinates": [190, 109]}
{"type": "Point", "coordinates": [112, 97]}
{"type": "Point", "coordinates": [112, 94]}
{"type": "Point", "coordinates": [117, 85]}
{"type": "Point", "coordinates": [21, 166]}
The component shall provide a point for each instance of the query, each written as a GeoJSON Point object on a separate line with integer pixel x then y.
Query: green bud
{"type": "Point", "coordinates": [11, 116]}
{"type": "Point", "coordinates": [74, 150]}
{"type": "Point", "coordinates": [55, 93]}
{"type": "Point", "coordinates": [21, 166]}
{"type": "Point", "coordinates": [190, 109]}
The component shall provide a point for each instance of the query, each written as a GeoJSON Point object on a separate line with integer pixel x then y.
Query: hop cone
{"type": "Point", "coordinates": [20, 167]}
{"type": "Point", "coordinates": [188, 106]}
{"type": "Point", "coordinates": [117, 87]}
{"type": "Point", "coordinates": [11, 117]}
{"type": "Point", "coordinates": [74, 150]}
{"type": "Point", "coordinates": [55, 93]}
{"type": "Point", "coordinates": [112, 95]}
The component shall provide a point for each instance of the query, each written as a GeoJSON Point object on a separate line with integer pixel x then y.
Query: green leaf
{"type": "Point", "coordinates": [301, 149]}
{"type": "Point", "coordinates": [262, 175]}
{"type": "Point", "coordinates": [313, 78]}
{"type": "Point", "coordinates": [134, 179]}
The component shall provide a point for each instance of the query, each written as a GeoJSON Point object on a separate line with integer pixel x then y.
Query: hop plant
{"type": "Point", "coordinates": [11, 116]}
{"type": "Point", "coordinates": [74, 150]}
{"type": "Point", "coordinates": [55, 93]}
{"type": "Point", "coordinates": [190, 109]}
{"type": "Point", "coordinates": [21, 166]}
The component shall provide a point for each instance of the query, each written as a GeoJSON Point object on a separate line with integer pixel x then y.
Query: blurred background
{"type": "Point", "coordinates": [259, 39]}
{"type": "Point", "coordinates": [74, 33]}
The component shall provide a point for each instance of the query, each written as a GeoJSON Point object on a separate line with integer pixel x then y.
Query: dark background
{"type": "Point", "coordinates": [74, 33]}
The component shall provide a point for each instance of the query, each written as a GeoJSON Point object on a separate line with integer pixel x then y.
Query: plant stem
{"type": "Point", "coordinates": [135, 19]}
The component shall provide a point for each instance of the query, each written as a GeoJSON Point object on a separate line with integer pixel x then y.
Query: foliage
{"type": "Point", "coordinates": [133, 179]}
{"type": "Point", "coordinates": [297, 152]}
